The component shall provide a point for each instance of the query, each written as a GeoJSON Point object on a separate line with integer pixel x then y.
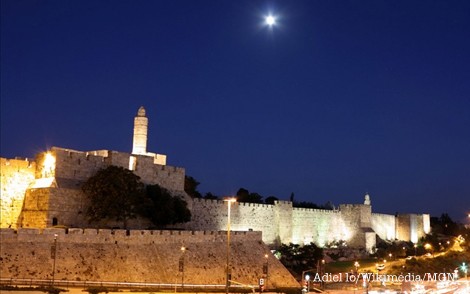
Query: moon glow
{"type": "Point", "coordinates": [270, 20]}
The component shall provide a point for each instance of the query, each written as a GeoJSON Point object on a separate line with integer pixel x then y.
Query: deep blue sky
{"type": "Point", "coordinates": [339, 99]}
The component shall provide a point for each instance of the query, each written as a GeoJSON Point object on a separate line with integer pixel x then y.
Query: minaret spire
{"type": "Point", "coordinates": [140, 133]}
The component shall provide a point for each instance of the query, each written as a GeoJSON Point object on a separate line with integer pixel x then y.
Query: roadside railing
{"type": "Point", "coordinates": [119, 285]}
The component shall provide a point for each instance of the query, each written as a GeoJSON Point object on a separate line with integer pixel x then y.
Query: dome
{"type": "Point", "coordinates": [141, 111]}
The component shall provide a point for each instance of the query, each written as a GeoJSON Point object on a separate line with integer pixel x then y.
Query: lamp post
{"type": "Point", "coordinates": [415, 246]}
{"type": "Point", "coordinates": [53, 255]}
{"type": "Point", "coordinates": [428, 247]}
{"type": "Point", "coordinates": [181, 265]}
{"type": "Point", "coordinates": [307, 279]}
{"type": "Point", "coordinates": [227, 273]}
{"type": "Point", "coordinates": [265, 268]}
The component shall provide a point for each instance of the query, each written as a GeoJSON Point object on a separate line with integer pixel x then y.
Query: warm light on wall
{"type": "Point", "coordinates": [346, 233]}
{"type": "Point", "coordinates": [48, 165]}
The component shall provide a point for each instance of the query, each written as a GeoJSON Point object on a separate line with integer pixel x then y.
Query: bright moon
{"type": "Point", "coordinates": [270, 20]}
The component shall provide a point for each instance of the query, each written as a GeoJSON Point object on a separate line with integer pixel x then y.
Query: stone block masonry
{"type": "Point", "coordinates": [15, 177]}
{"type": "Point", "coordinates": [138, 256]}
{"type": "Point", "coordinates": [282, 223]}
{"type": "Point", "coordinates": [79, 166]}
{"type": "Point", "coordinates": [46, 192]}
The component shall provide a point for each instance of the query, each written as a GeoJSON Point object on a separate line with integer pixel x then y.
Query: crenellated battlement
{"type": "Point", "coordinates": [17, 162]}
{"type": "Point", "coordinates": [81, 165]}
{"type": "Point", "coordinates": [316, 210]}
{"type": "Point", "coordinates": [283, 202]}
{"type": "Point", "coordinates": [355, 205]}
{"type": "Point", "coordinates": [106, 236]}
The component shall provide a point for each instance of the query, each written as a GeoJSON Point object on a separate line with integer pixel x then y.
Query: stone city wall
{"type": "Point", "coordinates": [47, 207]}
{"type": "Point", "coordinates": [357, 220]}
{"type": "Point", "coordinates": [15, 177]}
{"type": "Point", "coordinates": [138, 256]}
{"type": "Point", "coordinates": [80, 166]}
{"type": "Point", "coordinates": [281, 223]}
{"type": "Point", "coordinates": [403, 227]}
{"type": "Point", "coordinates": [212, 215]}
{"type": "Point", "coordinates": [317, 226]}
{"type": "Point", "coordinates": [384, 225]}
{"type": "Point", "coordinates": [283, 218]}
{"type": "Point", "coordinates": [55, 198]}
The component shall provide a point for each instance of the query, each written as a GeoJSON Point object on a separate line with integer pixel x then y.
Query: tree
{"type": "Point", "coordinates": [270, 200]}
{"type": "Point", "coordinates": [164, 209]}
{"type": "Point", "coordinates": [209, 195]}
{"type": "Point", "coordinates": [243, 195]}
{"type": "Point", "coordinates": [190, 187]}
{"type": "Point", "coordinates": [291, 198]}
{"type": "Point", "coordinates": [298, 258]}
{"type": "Point", "coordinates": [115, 193]}
{"type": "Point", "coordinates": [305, 204]}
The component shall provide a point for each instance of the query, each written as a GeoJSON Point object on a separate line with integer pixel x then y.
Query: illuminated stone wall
{"type": "Point", "coordinates": [138, 256]}
{"type": "Point", "coordinates": [80, 166]}
{"type": "Point", "coordinates": [384, 225]}
{"type": "Point", "coordinates": [282, 223]}
{"type": "Point", "coordinates": [403, 227]}
{"type": "Point", "coordinates": [411, 227]}
{"type": "Point", "coordinates": [318, 226]}
{"type": "Point", "coordinates": [49, 187]}
{"type": "Point", "coordinates": [48, 194]}
{"type": "Point", "coordinates": [357, 219]}
{"type": "Point", "coordinates": [283, 214]}
{"type": "Point", "coordinates": [15, 177]}
{"type": "Point", "coordinates": [212, 215]}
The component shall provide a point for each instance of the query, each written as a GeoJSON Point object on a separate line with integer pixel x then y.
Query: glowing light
{"type": "Point", "coordinates": [49, 165]}
{"type": "Point", "coordinates": [270, 20]}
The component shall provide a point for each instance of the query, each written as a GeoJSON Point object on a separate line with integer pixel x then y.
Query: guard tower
{"type": "Point", "coordinates": [139, 145]}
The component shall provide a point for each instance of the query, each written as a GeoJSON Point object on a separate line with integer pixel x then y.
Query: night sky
{"type": "Point", "coordinates": [338, 99]}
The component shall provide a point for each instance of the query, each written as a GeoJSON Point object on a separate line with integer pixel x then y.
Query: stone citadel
{"type": "Point", "coordinates": [45, 192]}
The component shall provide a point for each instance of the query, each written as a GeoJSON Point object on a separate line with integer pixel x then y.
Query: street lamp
{"type": "Point", "coordinates": [227, 273]}
{"type": "Point", "coordinates": [181, 265]}
{"type": "Point", "coordinates": [415, 246]}
{"type": "Point", "coordinates": [322, 271]}
{"type": "Point", "coordinates": [428, 246]}
{"type": "Point", "coordinates": [464, 268]}
{"type": "Point", "coordinates": [265, 268]}
{"type": "Point", "coordinates": [307, 279]}
{"type": "Point", "coordinates": [53, 255]}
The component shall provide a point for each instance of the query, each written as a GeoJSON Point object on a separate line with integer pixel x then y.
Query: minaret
{"type": "Point", "coordinates": [140, 132]}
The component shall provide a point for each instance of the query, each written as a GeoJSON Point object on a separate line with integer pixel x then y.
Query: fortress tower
{"type": "Point", "coordinates": [139, 145]}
